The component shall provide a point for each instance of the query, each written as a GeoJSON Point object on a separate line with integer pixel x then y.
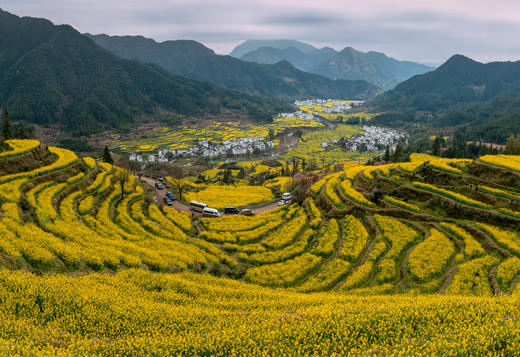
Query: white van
{"type": "Point", "coordinates": [210, 212]}
{"type": "Point", "coordinates": [286, 196]}
{"type": "Point", "coordinates": [197, 206]}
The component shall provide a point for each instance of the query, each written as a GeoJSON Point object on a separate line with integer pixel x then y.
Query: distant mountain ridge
{"type": "Point", "coordinates": [350, 64]}
{"type": "Point", "coordinates": [459, 80]}
{"type": "Point", "coordinates": [193, 60]}
{"type": "Point", "coordinates": [303, 60]}
{"type": "Point", "coordinates": [483, 98]}
{"type": "Point", "coordinates": [252, 45]}
{"type": "Point", "coordinates": [54, 75]}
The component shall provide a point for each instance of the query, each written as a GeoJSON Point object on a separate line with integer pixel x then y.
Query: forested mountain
{"type": "Point", "coordinates": [483, 97]}
{"type": "Point", "coordinates": [53, 74]}
{"type": "Point", "coordinates": [373, 67]}
{"type": "Point", "coordinates": [253, 45]}
{"type": "Point", "coordinates": [193, 60]}
{"type": "Point", "coordinates": [459, 80]}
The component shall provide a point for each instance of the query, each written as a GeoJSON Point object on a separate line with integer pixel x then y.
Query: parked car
{"type": "Point", "coordinates": [170, 195]}
{"type": "Point", "coordinates": [286, 196]}
{"type": "Point", "coordinates": [282, 202]}
{"type": "Point", "coordinates": [231, 210]}
{"type": "Point", "coordinates": [197, 206]}
{"type": "Point", "coordinates": [167, 200]}
{"type": "Point", "coordinates": [247, 212]}
{"type": "Point", "coordinates": [210, 212]}
{"type": "Point", "coordinates": [159, 185]}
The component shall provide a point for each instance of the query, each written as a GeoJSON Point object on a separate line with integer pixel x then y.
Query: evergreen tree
{"type": "Point", "coordinates": [397, 153]}
{"type": "Point", "coordinates": [20, 132]}
{"type": "Point", "coordinates": [107, 157]}
{"type": "Point", "coordinates": [513, 145]}
{"type": "Point", "coordinates": [436, 149]}
{"type": "Point", "coordinates": [387, 154]}
{"type": "Point", "coordinates": [7, 132]}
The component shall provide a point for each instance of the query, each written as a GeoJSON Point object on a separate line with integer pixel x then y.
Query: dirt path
{"type": "Point", "coordinates": [179, 206]}
{"type": "Point", "coordinates": [266, 208]}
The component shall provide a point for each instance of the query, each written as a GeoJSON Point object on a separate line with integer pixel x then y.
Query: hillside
{"type": "Point", "coordinates": [467, 211]}
{"type": "Point", "coordinates": [373, 67]}
{"type": "Point", "coordinates": [54, 75]}
{"type": "Point", "coordinates": [193, 60]}
{"type": "Point", "coordinates": [443, 225]}
{"type": "Point", "coordinates": [461, 92]}
{"type": "Point", "coordinates": [460, 80]}
{"type": "Point", "coordinates": [253, 45]}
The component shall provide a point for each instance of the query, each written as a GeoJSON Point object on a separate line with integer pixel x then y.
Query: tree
{"type": "Point", "coordinates": [178, 180]}
{"type": "Point", "coordinates": [134, 165]}
{"type": "Point", "coordinates": [170, 156]}
{"type": "Point", "coordinates": [436, 148]}
{"type": "Point", "coordinates": [513, 145]}
{"type": "Point", "coordinates": [295, 166]}
{"type": "Point", "coordinates": [387, 154]}
{"type": "Point", "coordinates": [122, 177]}
{"type": "Point", "coordinates": [107, 157]}
{"type": "Point", "coordinates": [271, 134]}
{"type": "Point", "coordinates": [397, 153]}
{"type": "Point", "coordinates": [20, 132]}
{"type": "Point", "coordinates": [7, 132]}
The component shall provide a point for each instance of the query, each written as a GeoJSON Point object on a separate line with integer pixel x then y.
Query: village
{"type": "Point", "coordinates": [205, 148]}
{"type": "Point", "coordinates": [374, 138]}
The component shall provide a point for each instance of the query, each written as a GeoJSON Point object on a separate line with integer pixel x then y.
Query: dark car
{"type": "Point", "coordinates": [167, 201]}
{"type": "Point", "coordinates": [247, 212]}
{"type": "Point", "coordinates": [159, 185]}
{"type": "Point", "coordinates": [231, 210]}
{"type": "Point", "coordinates": [170, 195]}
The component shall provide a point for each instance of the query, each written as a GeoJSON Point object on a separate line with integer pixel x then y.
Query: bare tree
{"type": "Point", "coordinates": [178, 181]}
{"type": "Point", "coordinates": [122, 177]}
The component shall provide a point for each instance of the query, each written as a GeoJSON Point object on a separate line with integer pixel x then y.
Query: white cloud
{"type": "Point", "coordinates": [409, 29]}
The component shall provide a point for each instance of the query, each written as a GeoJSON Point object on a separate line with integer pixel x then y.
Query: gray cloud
{"type": "Point", "coordinates": [406, 29]}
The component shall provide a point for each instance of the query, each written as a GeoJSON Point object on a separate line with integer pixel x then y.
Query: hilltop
{"type": "Point", "coordinates": [350, 64]}
{"type": "Point", "coordinates": [483, 99]}
{"type": "Point", "coordinates": [193, 60]}
{"type": "Point", "coordinates": [54, 75]}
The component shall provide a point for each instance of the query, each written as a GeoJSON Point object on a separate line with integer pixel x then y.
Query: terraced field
{"type": "Point", "coordinates": [440, 225]}
{"type": "Point", "coordinates": [443, 226]}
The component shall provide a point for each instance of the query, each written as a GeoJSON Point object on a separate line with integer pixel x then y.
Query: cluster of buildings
{"type": "Point", "coordinates": [206, 148]}
{"type": "Point", "coordinates": [374, 138]}
{"type": "Point", "coordinates": [337, 108]}
{"type": "Point", "coordinates": [307, 102]}
{"type": "Point", "coordinates": [298, 114]}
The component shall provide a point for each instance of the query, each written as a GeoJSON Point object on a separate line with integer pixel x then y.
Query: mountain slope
{"type": "Point", "coordinates": [373, 67]}
{"type": "Point", "coordinates": [253, 45]}
{"type": "Point", "coordinates": [193, 60]}
{"type": "Point", "coordinates": [482, 99]}
{"type": "Point", "coordinates": [458, 81]}
{"type": "Point", "coordinates": [54, 75]}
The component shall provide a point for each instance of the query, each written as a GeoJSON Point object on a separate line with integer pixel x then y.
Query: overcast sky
{"type": "Point", "coordinates": [421, 30]}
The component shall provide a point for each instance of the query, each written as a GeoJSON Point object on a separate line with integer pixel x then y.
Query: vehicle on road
{"type": "Point", "coordinates": [282, 202]}
{"type": "Point", "coordinates": [197, 206]}
{"type": "Point", "coordinates": [286, 196]}
{"type": "Point", "coordinates": [170, 195]}
{"type": "Point", "coordinates": [210, 212]}
{"type": "Point", "coordinates": [168, 201]}
{"type": "Point", "coordinates": [159, 185]}
{"type": "Point", "coordinates": [231, 210]}
{"type": "Point", "coordinates": [247, 212]}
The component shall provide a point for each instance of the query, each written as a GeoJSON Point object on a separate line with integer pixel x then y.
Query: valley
{"type": "Point", "coordinates": [198, 187]}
